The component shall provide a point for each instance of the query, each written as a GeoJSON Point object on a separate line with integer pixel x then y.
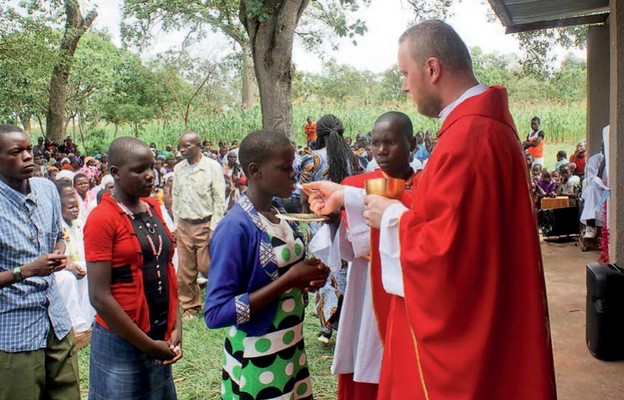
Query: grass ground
{"type": "Point", "coordinates": [198, 374]}
{"type": "Point", "coordinates": [550, 152]}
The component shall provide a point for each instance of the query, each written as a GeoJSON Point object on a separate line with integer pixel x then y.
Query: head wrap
{"type": "Point", "coordinates": [65, 174]}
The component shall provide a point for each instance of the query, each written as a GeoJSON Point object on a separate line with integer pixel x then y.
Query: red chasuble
{"type": "Point", "coordinates": [475, 296]}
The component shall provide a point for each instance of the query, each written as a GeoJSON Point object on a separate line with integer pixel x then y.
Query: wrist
{"type": "Point", "coordinates": [17, 274]}
{"type": "Point", "coordinates": [25, 271]}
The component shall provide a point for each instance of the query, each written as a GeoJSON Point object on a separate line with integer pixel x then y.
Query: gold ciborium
{"type": "Point", "coordinates": [391, 188]}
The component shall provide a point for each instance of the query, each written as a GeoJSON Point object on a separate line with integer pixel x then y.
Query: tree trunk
{"type": "Point", "coordinates": [271, 42]}
{"type": "Point", "coordinates": [249, 83]}
{"type": "Point", "coordinates": [25, 118]}
{"type": "Point", "coordinates": [41, 125]}
{"type": "Point", "coordinates": [82, 138]}
{"type": "Point", "coordinates": [75, 27]}
{"type": "Point", "coordinates": [116, 131]}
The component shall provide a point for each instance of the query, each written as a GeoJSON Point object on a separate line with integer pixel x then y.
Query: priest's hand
{"type": "Point", "coordinates": [324, 197]}
{"type": "Point", "coordinates": [376, 206]}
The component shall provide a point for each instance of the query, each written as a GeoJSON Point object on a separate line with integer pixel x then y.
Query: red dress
{"type": "Point", "coordinates": [475, 311]}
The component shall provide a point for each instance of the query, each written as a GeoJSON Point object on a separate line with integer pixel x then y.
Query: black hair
{"type": "Point", "coordinates": [80, 175]}
{"type": "Point", "coordinates": [8, 128]}
{"type": "Point", "coordinates": [537, 119]}
{"type": "Point", "coordinates": [329, 130]}
{"type": "Point", "coordinates": [400, 121]}
{"type": "Point", "coordinates": [562, 153]}
{"type": "Point", "coordinates": [62, 184]}
{"type": "Point", "coordinates": [258, 146]}
{"type": "Point", "coordinates": [119, 149]}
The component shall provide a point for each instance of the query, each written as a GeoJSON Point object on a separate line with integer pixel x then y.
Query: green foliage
{"type": "Point", "coordinates": [537, 46]}
{"type": "Point", "coordinates": [27, 55]}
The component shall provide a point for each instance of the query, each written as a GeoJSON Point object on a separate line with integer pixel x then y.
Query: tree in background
{"type": "Point", "coordinates": [196, 18]}
{"type": "Point", "coordinates": [264, 31]}
{"type": "Point", "coordinates": [26, 63]}
{"type": "Point", "coordinates": [536, 45]}
{"type": "Point", "coordinates": [75, 27]}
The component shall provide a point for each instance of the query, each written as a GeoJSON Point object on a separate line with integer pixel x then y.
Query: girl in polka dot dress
{"type": "Point", "coordinates": [257, 278]}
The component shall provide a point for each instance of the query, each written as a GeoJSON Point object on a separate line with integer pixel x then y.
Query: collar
{"type": "Point", "coordinates": [17, 197]}
{"type": "Point", "coordinates": [473, 91]}
{"type": "Point", "coordinates": [266, 253]}
{"type": "Point", "coordinates": [198, 165]}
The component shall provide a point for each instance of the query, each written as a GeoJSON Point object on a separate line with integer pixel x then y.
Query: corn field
{"type": "Point", "coordinates": [562, 123]}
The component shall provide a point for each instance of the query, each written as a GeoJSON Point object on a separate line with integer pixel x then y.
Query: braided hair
{"type": "Point", "coordinates": [342, 161]}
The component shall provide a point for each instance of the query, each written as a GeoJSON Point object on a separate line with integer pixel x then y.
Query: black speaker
{"type": "Point", "coordinates": [604, 330]}
{"type": "Point", "coordinates": [559, 221]}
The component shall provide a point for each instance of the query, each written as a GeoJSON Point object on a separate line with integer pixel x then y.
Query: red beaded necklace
{"type": "Point", "coordinates": [151, 229]}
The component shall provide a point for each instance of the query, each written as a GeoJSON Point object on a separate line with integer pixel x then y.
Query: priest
{"type": "Point", "coordinates": [464, 259]}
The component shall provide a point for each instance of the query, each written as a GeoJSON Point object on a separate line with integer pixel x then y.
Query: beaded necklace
{"type": "Point", "coordinates": [151, 229]}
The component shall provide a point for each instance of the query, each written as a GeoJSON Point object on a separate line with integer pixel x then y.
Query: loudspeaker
{"type": "Point", "coordinates": [605, 311]}
{"type": "Point", "coordinates": [559, 221]}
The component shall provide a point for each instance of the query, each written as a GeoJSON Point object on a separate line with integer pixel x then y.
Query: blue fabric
{"type": "Point", "coordinates": [30, 227]}
{"type": "Point", "coordinates": [120, 371]}
{"type": "Point", "coordinates": [421, 153]}
{"type": "Point", "coordinates": [242, 261]}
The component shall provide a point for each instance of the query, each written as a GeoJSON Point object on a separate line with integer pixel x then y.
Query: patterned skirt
{"type": "Point", "coordinates": [271, 366]}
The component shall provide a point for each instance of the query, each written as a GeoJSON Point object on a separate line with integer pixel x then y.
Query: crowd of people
{"type": "Point", "coordinates": [114, 247]}
{"type": "Point", "coordinates": [580, 178]}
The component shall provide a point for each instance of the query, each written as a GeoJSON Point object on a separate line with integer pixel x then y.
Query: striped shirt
{"type": "Point", "coordinates": [30, 227]}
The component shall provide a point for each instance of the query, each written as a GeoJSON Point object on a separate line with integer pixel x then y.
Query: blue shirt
{"type": "Point", "coordinates": [30, 227]}
{"type": "Point", "coordinates": [421, 153]}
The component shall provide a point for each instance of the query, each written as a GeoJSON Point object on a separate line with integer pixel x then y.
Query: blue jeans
{"type": "Point", "coordinates": [118, 370]}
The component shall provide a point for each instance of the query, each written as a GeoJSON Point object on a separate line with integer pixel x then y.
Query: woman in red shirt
{"type": "Point", "coordinates": [132, 284]}
{"type": "Point", "coordinates": [579, 158]}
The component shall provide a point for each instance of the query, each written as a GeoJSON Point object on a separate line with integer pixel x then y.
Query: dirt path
{"type": "Point", "coordinates": [579, 375]}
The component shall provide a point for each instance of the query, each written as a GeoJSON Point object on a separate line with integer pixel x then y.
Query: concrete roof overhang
{"type": "Point", "coordinates": [529, 15]}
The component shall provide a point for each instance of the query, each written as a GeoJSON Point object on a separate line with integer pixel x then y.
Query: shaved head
{"type": "Point", "coordinates": [121, 148]}
{"type": "Point", "coordinates": [259, 146]}
{"type": "Point", "coordinates": [398, 121]}
{"type": "Point", "coordinates": [192, 137]}
{"type": "Point", "coordinates": [437, 39]}
{"type": "Point", "coordinates": [6, 129]}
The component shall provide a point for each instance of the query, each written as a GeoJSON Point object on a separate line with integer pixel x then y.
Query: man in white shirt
{"type": "Point", "coordinates": [198, 205]}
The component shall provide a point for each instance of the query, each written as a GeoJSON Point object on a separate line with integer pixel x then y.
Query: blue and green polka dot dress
{"type": "Point", "coordinates": [274, 365]}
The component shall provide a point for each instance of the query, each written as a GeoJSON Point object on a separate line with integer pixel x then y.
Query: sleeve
{"type": "Point", "coordinates": [227, 303]}
{"type": "Point", "coordinates": [175, 192]}
{"type": "Point", "coordinates": [390, 250]}
{"type": "Point", "coordinates": [309, 164]}
{"type": "Point", "coordinates": [99, 234]}
{"type": "Point", "coordinates": [358, 232]}
{"type": "Point", "coordinates": [218, 195]}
